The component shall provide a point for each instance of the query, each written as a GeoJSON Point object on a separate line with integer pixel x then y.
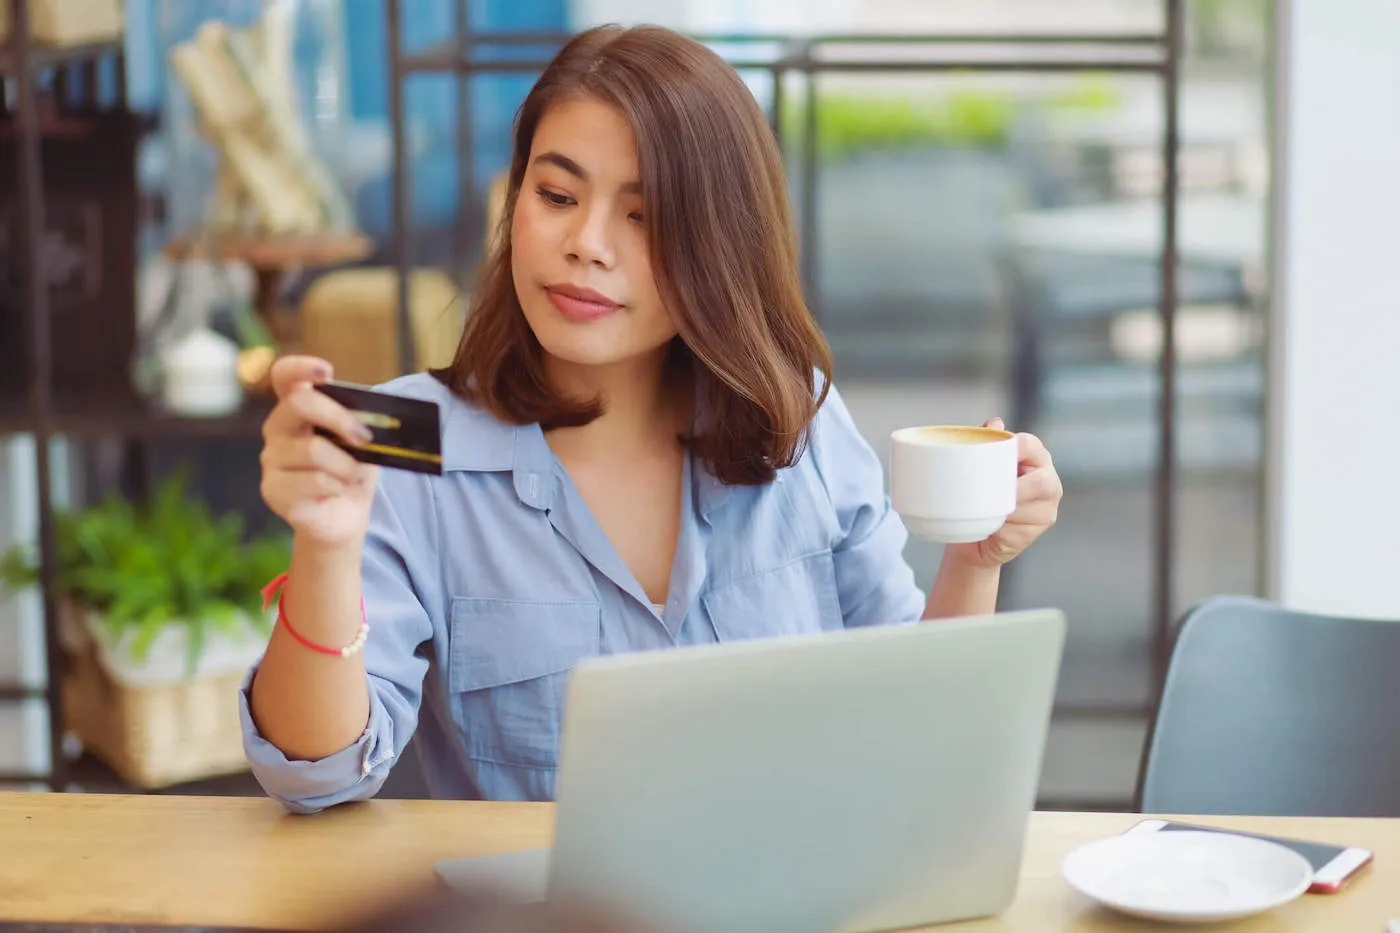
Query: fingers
{"type": "Point", "coordinates": [1031, 453]}
{"type": "Point", "coordinates": [290, 373]}
{"type": "Point", "coordinates": [1039, 485]}
{"type": "Point", "coordinates": [1038, 497]}
{"type": "Point", "coordinates": [311, 452]}
{"type": "Point", "coordinates": [1042, 513]}
{"type": "Point", "coordinates": [284, 489]}
{"type": "Point", "coordinates": [301, 470]}
{"type": "Point", "coordinates": [306, 408]}
{"type": "Point", "coordinates": [1030, 450]}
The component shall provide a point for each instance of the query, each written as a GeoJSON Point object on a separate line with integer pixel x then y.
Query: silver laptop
{"type": "Point", "coordinates": [849, 781]}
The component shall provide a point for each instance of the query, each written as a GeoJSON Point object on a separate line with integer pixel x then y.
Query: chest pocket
{"type": "Point", "coordinates": [797, 598]}
{"type": "Point", "coordinates": [508, 661]}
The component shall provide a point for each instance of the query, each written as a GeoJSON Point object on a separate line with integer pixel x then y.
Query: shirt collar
{"type": "Point", "coordinates": [476, 441]}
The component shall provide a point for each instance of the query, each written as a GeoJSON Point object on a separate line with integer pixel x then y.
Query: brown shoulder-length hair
{"type": "Point", "coordinates": [719, 231]}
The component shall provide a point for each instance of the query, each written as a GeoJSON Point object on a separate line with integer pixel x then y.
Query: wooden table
{"type": "Point", "coordinates": [244, 862]}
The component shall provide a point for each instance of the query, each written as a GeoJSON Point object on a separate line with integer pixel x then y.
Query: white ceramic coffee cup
{"type": "Point", "coordinates": [953, 483]}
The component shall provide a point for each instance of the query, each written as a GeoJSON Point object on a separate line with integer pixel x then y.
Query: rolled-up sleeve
{"type": "Point", "coordinates": [399, 583]}
{"type": "Point", "coordinates": [874, 582]}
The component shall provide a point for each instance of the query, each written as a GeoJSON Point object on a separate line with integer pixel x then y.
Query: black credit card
{"type": "Point", "coordinates": [407, 431]}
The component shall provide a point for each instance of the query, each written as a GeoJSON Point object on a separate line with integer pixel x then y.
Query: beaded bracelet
{"type": "Point", "coordinates": [355, 646]}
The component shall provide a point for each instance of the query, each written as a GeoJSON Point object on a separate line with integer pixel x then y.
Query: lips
{"type": "Point", "coordinates": [580, 304]}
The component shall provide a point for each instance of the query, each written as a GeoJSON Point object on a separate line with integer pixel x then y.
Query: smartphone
{"type": "Point", "coordinates": [1333, 866]}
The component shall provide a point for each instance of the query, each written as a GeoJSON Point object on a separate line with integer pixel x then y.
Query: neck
{"type": "Point", "coordinates": [641, 404]}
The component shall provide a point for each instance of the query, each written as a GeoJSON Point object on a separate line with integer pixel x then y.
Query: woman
{"type": "Point", "coordinates": [641, 451]}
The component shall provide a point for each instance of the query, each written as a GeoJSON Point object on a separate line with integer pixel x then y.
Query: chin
{"type": "Point", "coordinates": [605, 342]}
{"type": "Point", "coordinates": [589, 350]}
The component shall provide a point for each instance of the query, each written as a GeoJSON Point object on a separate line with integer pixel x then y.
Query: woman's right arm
{"type": "Point", "coordinates": [321, 729]}
{"type": "Point", "coordinates": [308, 704]}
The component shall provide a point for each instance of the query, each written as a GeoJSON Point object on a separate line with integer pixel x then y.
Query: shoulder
{"type": "Point", "coordinates": [418, 385]}
{"type": "Point", "coordinates": [472, 437]}
{"type": "Point", "coordinates": [833, 437]}
{"type": "Point", "coordinates": [408, 504]}
{"type": "Point", "coordinates": [836, 482]}
{"type": "Point", "coordinates": [847, 466]}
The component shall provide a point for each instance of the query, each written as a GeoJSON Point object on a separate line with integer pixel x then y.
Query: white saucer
{"type": "Point", "coordinates": [1188, 877]}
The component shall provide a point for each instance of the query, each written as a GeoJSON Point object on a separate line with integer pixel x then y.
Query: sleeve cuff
{"type": "Point", "coordinates": [353, 773]}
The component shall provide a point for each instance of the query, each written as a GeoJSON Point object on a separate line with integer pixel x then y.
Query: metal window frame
{"type": "Point", "coordinates": [1118, 53]}
{"type": "Point", "coordinates": [22, 62]}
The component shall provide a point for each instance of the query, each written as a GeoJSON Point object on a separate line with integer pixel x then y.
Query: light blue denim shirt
{"type": "Point", "coordinates": [484, 586]}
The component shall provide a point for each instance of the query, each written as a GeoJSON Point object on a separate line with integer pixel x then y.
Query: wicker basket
{"type": "Point", "coordinates": [155, 736]}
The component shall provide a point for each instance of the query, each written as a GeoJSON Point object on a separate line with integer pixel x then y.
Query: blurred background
{"type": "Point", "coordinates": [979, 185]}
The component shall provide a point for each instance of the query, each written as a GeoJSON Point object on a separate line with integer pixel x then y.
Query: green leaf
{"type": "Point", "coordinates": [194, 647]}
{"type": "Point", "coordinates": [147, 632]}
{"type": "Point", "coordinates": [850, 122]}
{"type": "Point", "coordinates": [168, 562]}
{"type": "Point", "coordinates": [19, 568]}
{"type": "Point", "coordinates": [231, 625]}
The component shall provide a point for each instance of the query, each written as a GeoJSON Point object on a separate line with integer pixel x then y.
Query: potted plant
{"type": "Point", "coordinates": [161, 617]}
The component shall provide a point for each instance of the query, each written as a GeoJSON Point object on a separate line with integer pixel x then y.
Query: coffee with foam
{"type": "Point", "coordinates": [952, 434]}
{"type": "Point", "coordinates": [953, 483]}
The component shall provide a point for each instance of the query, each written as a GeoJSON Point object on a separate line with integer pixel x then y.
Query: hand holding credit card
{"type": "Point", "coordinates": [407, 432]}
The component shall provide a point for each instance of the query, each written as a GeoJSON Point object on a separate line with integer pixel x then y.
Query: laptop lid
{"type": "Point", "coordinates": [857, 780]}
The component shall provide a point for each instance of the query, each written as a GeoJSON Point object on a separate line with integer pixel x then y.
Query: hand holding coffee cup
{"type": "Point", "coordinates": [953, 483]}
{"type": "Point", "coordinates": [986, 493]}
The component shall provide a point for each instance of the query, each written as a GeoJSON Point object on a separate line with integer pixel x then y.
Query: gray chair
{"type": "Point", "coordinates": [1272, 712]}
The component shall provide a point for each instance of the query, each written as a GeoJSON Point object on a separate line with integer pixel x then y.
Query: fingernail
{"type": "Point", "coordinates": [321, 373]}
{"type": "Point", "coordinates": [363, 434]}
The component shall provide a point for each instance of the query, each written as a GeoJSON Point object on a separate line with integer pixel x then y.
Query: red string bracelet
{"type": "Point", "coordinates": [276, 584]}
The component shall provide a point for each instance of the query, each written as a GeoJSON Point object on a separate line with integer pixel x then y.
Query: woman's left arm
{"type": "Point", "coordinates": [970, 574]}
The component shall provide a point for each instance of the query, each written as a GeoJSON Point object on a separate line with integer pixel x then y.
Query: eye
{"type": "Point", "coordinates": [554, 198]}
{"type": "Point", "coordinates": [636, 217]}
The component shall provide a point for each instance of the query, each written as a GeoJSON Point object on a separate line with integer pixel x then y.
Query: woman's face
{"type": "Point", "coordinates": [578, 241]}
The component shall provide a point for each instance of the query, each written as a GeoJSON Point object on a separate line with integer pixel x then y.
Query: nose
{"type": "Point", "coordinates": [591, 238]}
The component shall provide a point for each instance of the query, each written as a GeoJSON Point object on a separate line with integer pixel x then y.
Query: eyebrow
{"type": "Point", "coordinates": [560, 160]}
